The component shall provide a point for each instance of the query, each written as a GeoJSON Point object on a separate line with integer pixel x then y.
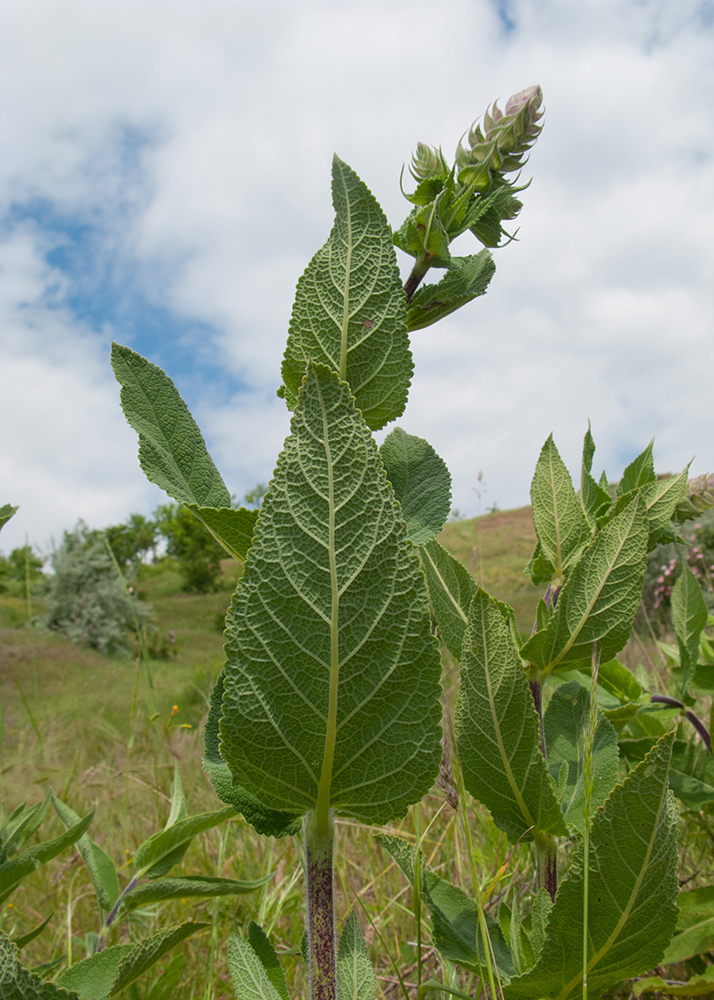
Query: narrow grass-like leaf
{"type": "Point", "coordinates": [99, 865]}
{"type": "Point", "coordinates": [598, 602]}
{"type": "Point", "coordinates": [14, 871]}
{"type": "Point", "coordinates": [632, 892]}
{"type": "Point", "coordinates": [24, 939]}
{"type": "Point", "coordinates": [332, 677]}
{"type": "Point", "coordinates": [268, 822]}
{"type": "Point", "coordinates": [421, 483]}
{"type": "Point", "coordinates": [689, 616]}
{"type": "Point", "coordinates": [451, 588]}
{"type": "Point", "coordinates": [356, 979]}
{"type": "Point", "coordinates": [466, 279]}
{"type": "Point", "coordinates": [350, 309]}
{"type": "Point", "coordinates": [18, 983]}
{"type": "Point", "coordinates": [268, 957]}
{"type": "Point", "coordinates": [248, 974]}
{"type": "Point", "coordinates": [497, 729]}
{"type": "Point", "coordinates": [153, 856]}
{"type": "Point", "coordinates": [189, 887]}
{"type": "Point", "coordinates": [694, 934]}
{"type": "Point", "coordinates": [559, 520]}
{"type": "Point", "coordinates": [93, 977]}
{"type": "Point", "coordinates": [21, 824]}
{"type": "Point", "coordinates": [6, 512]}
{"type": "Point", "coordinates": [146, 953]}
{"type": "Point", "coordinates": [565, 727]}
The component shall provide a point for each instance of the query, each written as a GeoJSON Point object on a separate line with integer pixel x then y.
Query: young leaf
{"type": "Point", "coordinates": [331, 686]}
{"type": "Point", "coordinates": [99, 865]}
{"type": "Point", "coordinates": [565, 725]}
{"type": "Point", "coordinates": [355, 976]}
{"type": "Point", "coordinates": [638, 472]}
{"type": "Point", "coordinates": [18, 983]}
{"type": "Point", "coordinates": [598, 602]}
{"type": "Point", "coordinates": [594, 498]}
{"type": "Point", "coordinates": [498, 732]}
{"type": "Point", "coordinates": [147, 952]}
{"type": "Point", "coordinates": [248, 974]}
{"type": "Point", "coordinates": [421, 483]}
{"type": "Point", "coordinates": [14, 871]}
{"type": "Point", "coordinates": [660, 499]}
{"type": "Point", "coordinates": [451, 588]}
{"type": "Point", "coordinates": [632, 892]}
{"type": "Point", "coordinates": [93, 977]}
{"type": "Point", "coordinates": [188, 887]}
{"type": "Point", "coordinates": [689, 616]}
{"type": "Point", "coordinates": [466, 279]}
{"type": "Point", "coordinates": [165, 849]}
{"type": "Point", "coordinates": [6, 512]}
{"type": "Point", "coordinates": [268, 957]}
{"type": "Point", "coordinates": [21, 824]}
{"type": "Point", "coordinates": [268, 822]}
{"type": "Point", "coordinates": [350, 310]}
{"type": "Point", "coordinates": [24, 939]}
{"type": "Point", "coordinates": [559, 520]}
{"type": "Point", "coordinates": [178, 800]}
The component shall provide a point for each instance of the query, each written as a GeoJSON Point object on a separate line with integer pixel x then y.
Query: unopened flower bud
{"type": "Point", "coordinates": [701, 498]}
{"type": "Point", "coordinates": [428, 162]}
{"type": "Point", "coordinates": [506, 136]}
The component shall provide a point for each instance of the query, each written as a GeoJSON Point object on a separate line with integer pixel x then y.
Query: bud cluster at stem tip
{"type": "Point", "coordinates": [499, 146]}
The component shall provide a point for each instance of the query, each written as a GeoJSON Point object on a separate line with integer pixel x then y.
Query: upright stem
{"type": "Point", "coordinates": [546, 862]}
{"type": "Point", "coordinates": [418, 271]}
{"type": "Point", "coordinates": [319, 845]}
{"type": "Point", "coordinates": [536, 686]}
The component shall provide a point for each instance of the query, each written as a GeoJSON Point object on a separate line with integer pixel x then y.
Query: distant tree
{"type": "Point", "coordinates": [87, 600]}
{"type": "Point", "coordinates": [254, 497]}
{"type": "Point", "coordinates": [132, 541]}
{"type": "Point", "coordinates": [22, 566]}
{"type": "Point", "coordinates": [197, 552]}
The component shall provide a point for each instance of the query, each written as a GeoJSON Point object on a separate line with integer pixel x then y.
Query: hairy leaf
{"type": "Point", "coordinates": [6, 512]}
{"type": "Point", "coordinates": [159, 853]}
{"type": "Point", "coordinates": [451, 588]}
{"type": "Point", "coordinates": [466, 279]}
{"type": "Point", "coordinates": [93, 977]}
{"type": "Point", "coordinates": [597, 604]}
{"type": "Point", "coordinates": [21, 824]}
{"type": "Point", "coordinates": [639, 472]}
{"type": "Point", "coordinates": [18, 983]}
{"type": "Point", "coordinates": [332, 675]}
{"type": "Point", "coordinates": [268, 956]}
{"type": "Point", "coordinates": [150, 950]}
{"type": "Point", "coordinates": [248, 973]}
{"type": "Point", "coordinates": [356, 979]}
{"type": "Point", "coordinates": [350, 310]}
{"type": "Point", "coordinates": [498, 732]}
{"type": "Point", "coordinates": [188, 887]}
{"type": "Point", "coordinates": [632, 892]}
{"type": "Point", "coordinates": [421, 483]}
{"type": "Point", "coordinates": [99, 865]}
{"type": "Point", "coordinates": [14, 871]}
{"type": "Point", "coordinates": [559, 520]}
{"type": "Point", "coordinates": [689, 616]}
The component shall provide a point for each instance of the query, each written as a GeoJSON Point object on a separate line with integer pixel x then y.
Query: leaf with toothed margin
{"type": "Point", "coordinates": [350, 308]}
{"type": "Point", "coordinates": [6, 512]}
{"type": "Point", "coordinates": [332, 674]}
{"type": "Point", "coordinates": [465, 280]}
{"type": "Point", "coordinates": [451, 588]}
{"type": "Point", "coordinates": [559, 520]}
{"type": "Point", "coordinates": [421, 483]}
{"type": "Point", "coordinates": [19, 983]}
{"type": "Point", "coordinates": [356, 979]}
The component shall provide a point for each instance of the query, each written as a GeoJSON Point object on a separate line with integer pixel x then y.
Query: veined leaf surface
{"type": "Point", "coordinates": [421, 483]}
{"type": "Point", "coordinates": [355, 976]}
{"type": "Point", "coordinates": [350, 308]}
{"type": "Point", "coordinates": [451, 588]}
{"type": "Point", "coordinates": [498, 732]}
{"type": "Point", "coordinates": [689, 616]}
{"type": "Point", "coordinates": [19, 983]}
{"type": "Point", "coordinates": [632, 892]}
{"type": "Point", "coordinates": [559, 519]}
{"type": "Point", "coordinates": [467, 278]}
{"type": "Point", "coordinates": [332, 675]}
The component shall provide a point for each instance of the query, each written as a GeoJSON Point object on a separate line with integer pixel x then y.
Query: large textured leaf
{"type": "Point", "coordinates": [689, 616]}
{"type": "Point", "coordinates": [421, 483]}
{"type": "Point", "coordinates": [498, 732]}
{"type": "Point", "coordinates": [660, 498]}
{"type": "Point", "coordinates": [248, 974]}
{"type": "Point", "coordinates": [14, 871]}
{"type": "Point", "coordinates": [18, 983]}
{"type": "Point", "coordinates": [638, 472]}
{"type": "Point", "coordinates": [466, 278]}
{"type": "Point", "coordinates": [269, 822]}
{"type": "Point", "coordinates": [565, 728]}
{"type": "Point", "coordinates": [451, 588]}
{"type": "Point", "coordinates": [632, 892]}
{"type": "Point", "coordinates": [93, 977]}
{"type": "Point", "coordinates": [172, 451]}
{"type": "Point", "coordinates": [350, 310]}
{"type": "Point", "coordinates": [332, 675]}
{"type": "Point", "coordinates": [99, 865]}
{"type": "Point", "coordinates": [268, 956]}
{"type": "Point", "coordinates": [559, 519]}
{"type": "Point", "coordinates": [355, 976]}
{"type": "Point", "coordinates": [597, 604]}
{"type": "Point", "coordinates": [150, 950]}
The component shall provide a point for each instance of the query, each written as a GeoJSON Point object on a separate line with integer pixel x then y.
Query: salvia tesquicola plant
{"type": "Point", "coordinates": [329, 703]}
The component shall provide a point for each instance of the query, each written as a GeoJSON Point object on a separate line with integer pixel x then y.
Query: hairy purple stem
{"type": "Point", "coordinates": [320, 912]}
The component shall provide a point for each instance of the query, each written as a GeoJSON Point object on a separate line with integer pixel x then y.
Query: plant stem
{"type": "Point", "coordinates": [536, 686]}
{"type": "Point", "coordinates": [546, 862]}
{"type": "Point", "coordinates": [418, 271]}
{"type": "Point", "coordinates": [322, 953]}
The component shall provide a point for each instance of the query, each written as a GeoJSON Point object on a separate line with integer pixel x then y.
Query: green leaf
{"type": "Point", "coordinates": [632, 892]}
{"type": "Point", "coordinates": [689, 617]}
{"type": "Point", "coordinates": [355, 976]}
{"type": "Point", "coordinates": [24, 939]}
{"type": "Point", "coordinates": [422, 234]}
{"type": "Point", "coordinates": [99, 865]}
{"type": "Point", "coordinates": [6, 512]}
{"type": "Point", "coordinates": [350, 309]}
{"type": "Point", "coordinates": [146, 953]}
{"type": "Point", "coordinates": [598, 602]}
{"type": "Point", "coordinates": [156, 855]}
{"type": "Point", "coordinates": [694, 934]}
{"type": "Point", "coordinates": [698, 986]}
{"type": "Point", "coordinates": [559, 520]}
{"type": "Point", "coordinates": [188, 887]}
{"type": "Point", "coordinates": [93, 977]}
{"type": "Point", "coordinates": [466, 279]}
{"type": "Point", "coordinates": [618, 681]}
{"type": "Point", "coordinates": [332, 674]}
{"type": "Point", "coordinates": [268, 956]}
{"type": "Point", "coordinates": [691, 776]}
{"type": "Point", "coordinates": [18, 983]}
{"type": "Point", "coordinates": [539, 569]}
{"type": "Point", "coordinates": [232, 528]}
{"type": "Point", "coordinates": [451, 588]}
{"type": "Point", "coordinates": [178, 800]}
{"type": "Point", "coordinates": [14, 871]}
{"type": "Point", "coordinates": [248, 974]}
{"type": "Point", "coordinates": [21, 824]}
{"type": "Point", "coordinates": [660, 500]}
{"type": "Point", "coordinates": [565, 725]}
{"type": "Point", "coordinates": [421, 483]}
{"type": "Point", "coordinates": [638, 472]}
{"type": "Point", "coordinates": [454, 914]}
{"type": "Point", "coordinates": [268, 822]}
{"type": "Point", "coordinates": [540, 912]}
{"type": "Point", "coordinates": [498, 731]}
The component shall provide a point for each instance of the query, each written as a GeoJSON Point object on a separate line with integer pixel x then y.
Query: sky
{"type": "Point", "coordinates": [165, 178]}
